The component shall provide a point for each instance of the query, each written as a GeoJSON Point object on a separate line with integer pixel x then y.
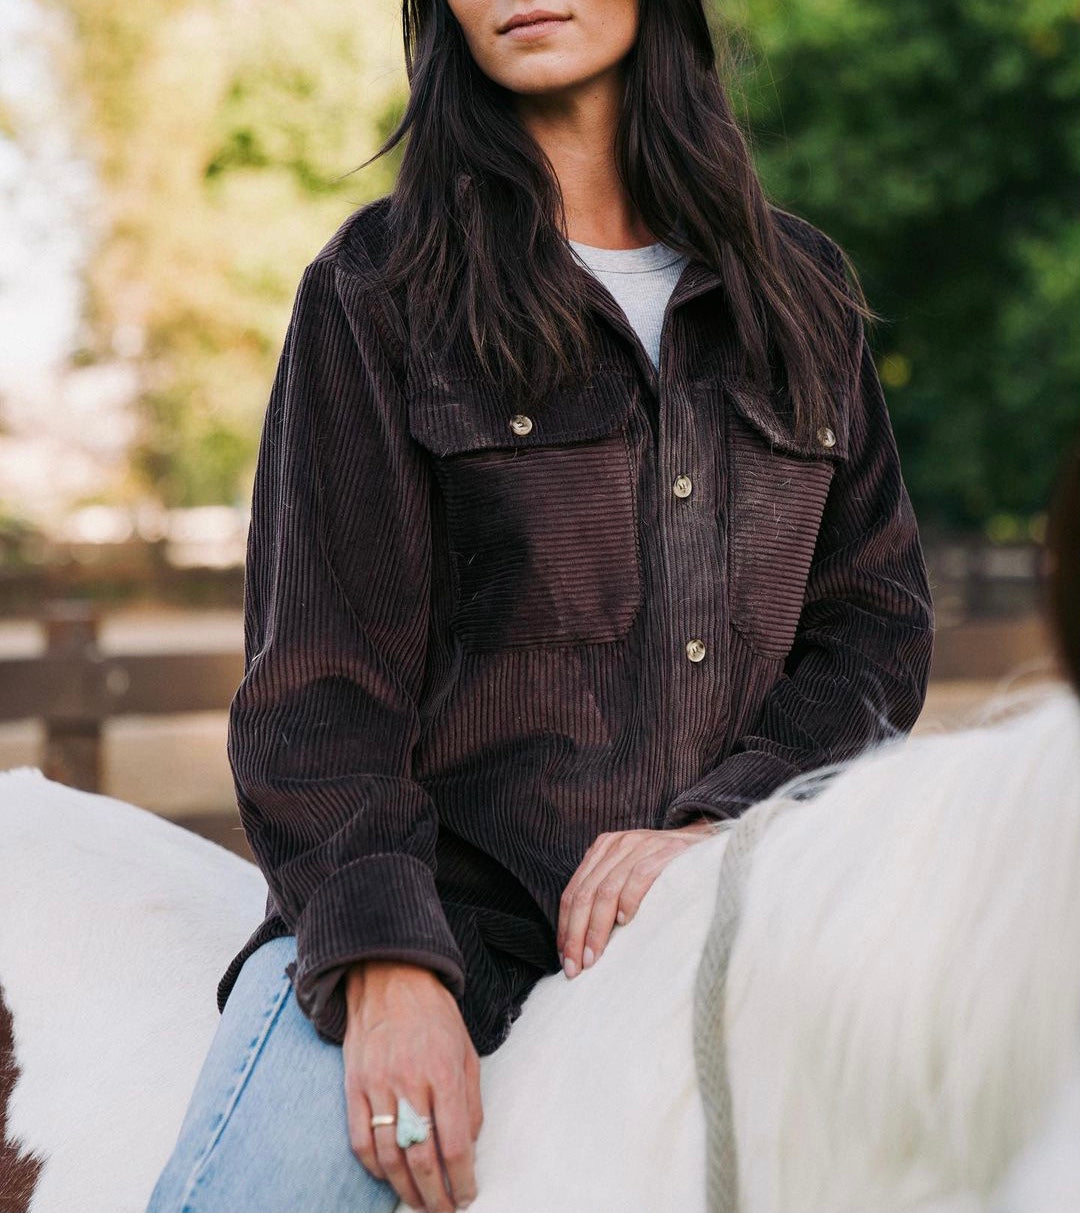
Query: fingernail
{"type": "Point", "coordinates": [620, 916]}
{"type": "Point", "coordinates": [587, 957]}
{"type": "Point", "coordinates": [569, 967]}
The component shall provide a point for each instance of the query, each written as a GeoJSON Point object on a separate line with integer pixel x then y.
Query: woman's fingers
{"type": "Point", "coordinates": [596, 898]}
{"type": "Point", "coordinates": [391, 1156]}
{"type": "Point", "coordinates": [437, 1174]}
{"type": "Point", "coordinates": [455, 1140]}
{"type": "Point", "coordinates": [405, 1037]}
{"type": "Point", "coordinates": [425, 1166]}
{"type": "Point", "coordinates": [616, 900]}
{"type": "Point", "coordinates": [472, 1091]}
{"type": "Point", "coordinates": [593, 856]}
{"type": "Point", "coordinates": [635, 877]}
{"type": "Point", "coordinates": [609, 888]}
{"type": "Point", "coordinates": [640, 881]}
{"type": "Point", "coordinates": [361, 1135]}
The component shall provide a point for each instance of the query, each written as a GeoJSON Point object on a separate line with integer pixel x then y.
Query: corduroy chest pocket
{"type": "Point", "coordinates": [777, 489]}
{"type": "Point", "coordinates": [541, 511]}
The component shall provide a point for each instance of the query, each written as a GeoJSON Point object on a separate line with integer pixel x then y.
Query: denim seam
{"type": "Point", "coordinates": [198, 1172]}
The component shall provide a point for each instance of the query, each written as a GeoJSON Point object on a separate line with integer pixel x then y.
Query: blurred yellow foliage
{"type": "Point", "coordinates": [223, 132]}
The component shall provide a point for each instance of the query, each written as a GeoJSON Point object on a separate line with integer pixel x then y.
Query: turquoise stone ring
{"type": "Point", "coordinates": [412, 1128]}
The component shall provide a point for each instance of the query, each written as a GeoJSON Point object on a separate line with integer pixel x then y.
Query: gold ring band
{"type": "Point", "coordinates": [386, 1118]}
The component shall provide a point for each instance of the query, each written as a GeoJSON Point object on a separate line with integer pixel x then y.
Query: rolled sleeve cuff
{"type": "Point", "coordinates": [729, 789]}
{"type": "Point", "coordinates": [381, 907]}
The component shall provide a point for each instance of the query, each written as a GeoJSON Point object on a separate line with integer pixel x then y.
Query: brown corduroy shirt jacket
{"type": "Point", "coordinates": [477, 638]}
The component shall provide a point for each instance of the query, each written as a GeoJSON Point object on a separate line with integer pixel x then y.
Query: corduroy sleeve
{"type": "Point", "coordinates": [858, 668]}
{"type": "Point", "coordinates": [336, 611]}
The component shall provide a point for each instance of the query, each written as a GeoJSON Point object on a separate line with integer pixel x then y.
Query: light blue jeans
{"type": "Point", "coordinates": [265, 1130]}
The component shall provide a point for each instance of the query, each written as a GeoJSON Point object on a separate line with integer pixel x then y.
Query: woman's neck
{"type": "Point", "coordinates": [576, 130]}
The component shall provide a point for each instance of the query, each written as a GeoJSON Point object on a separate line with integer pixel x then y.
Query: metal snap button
{"type": "Point", "coordinates": [682, 486]}
{"type": "Point", "coordinates": [695, 649]}
{"type": "Point", "coordinates": [826, 437]}
{"type": "Point", "coordinates": [520, 424]}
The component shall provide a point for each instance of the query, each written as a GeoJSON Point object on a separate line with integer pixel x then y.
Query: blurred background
{"type": "Point", "coordinates": [168, 167]}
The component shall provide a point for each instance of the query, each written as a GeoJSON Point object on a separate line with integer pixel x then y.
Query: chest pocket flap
{"type": "Point", "coordinates": [776, 424]}
{"type": "Point", "coordinates": [451, 415]}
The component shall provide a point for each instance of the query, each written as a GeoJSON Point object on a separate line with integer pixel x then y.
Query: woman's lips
{"type": "Point", "coordinates": [534, 29]}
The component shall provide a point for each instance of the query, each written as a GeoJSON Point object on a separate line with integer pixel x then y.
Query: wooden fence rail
{"type": "Point", "coordinates": [74, 687]}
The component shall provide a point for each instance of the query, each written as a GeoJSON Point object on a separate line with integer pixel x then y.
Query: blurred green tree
{"type": "Point", "coordinates": [937, 140]}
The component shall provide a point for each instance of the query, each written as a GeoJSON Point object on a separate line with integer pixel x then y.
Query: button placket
{"type": "Point", "coordinates": [693, 568]}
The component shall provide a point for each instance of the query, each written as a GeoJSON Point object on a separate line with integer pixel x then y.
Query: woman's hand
{"type": "Point", "coordinates": [405, 1036]}
{"type": "Point", "coordinates": [614, 875]}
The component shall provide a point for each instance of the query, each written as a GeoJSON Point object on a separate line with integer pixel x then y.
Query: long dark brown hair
{"type": "Point", "coordinates": [1061, 588]}
{"type": "Point", "coordinates": [477, 217]}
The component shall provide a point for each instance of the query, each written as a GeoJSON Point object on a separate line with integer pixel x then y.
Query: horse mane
{"type": "Point", "coordinates": [19, 1169]}
{"type": "Point", "coordinates": [904, 988]}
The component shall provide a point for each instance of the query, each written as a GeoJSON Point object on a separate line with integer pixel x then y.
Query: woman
{"type": "Point", "coordinates": [578, 524]}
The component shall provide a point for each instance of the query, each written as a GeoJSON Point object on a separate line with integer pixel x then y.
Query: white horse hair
{"type": "Point", "coordinates": [904, 987]}
{"type": "Point", "coordinates": [904, 999]}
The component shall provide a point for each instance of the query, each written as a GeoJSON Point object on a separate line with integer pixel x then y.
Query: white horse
{"type": "Point", "coordinates": [115, 925]}
{"type": "Point", "coordinates": [903, 1025]}
{"type": "Point", "coordinates": [904, 986]}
